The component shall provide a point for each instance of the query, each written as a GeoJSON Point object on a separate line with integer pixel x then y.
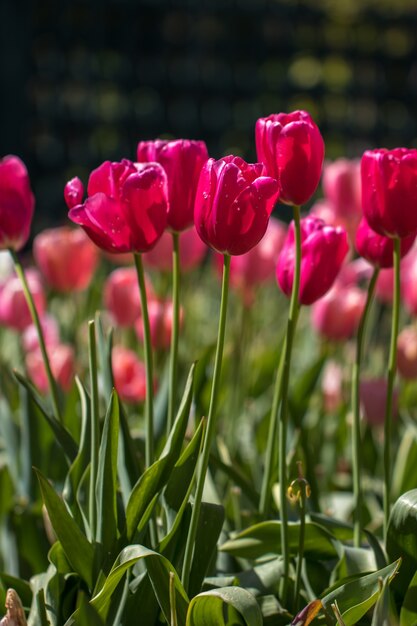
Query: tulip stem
{"type": "Point", "coordinates": [283, 422]}
{"type": "Point", "coordinates": [392, 366]}
{"type": "Point", "coordinates": [356, 435]}
{"type": "Point", "coordinates": [149, 436]}
{"type": "Point", "coordinates": [173, 363]}
{"type": "Point", "coordinates": [95, 426]}
{"type": "Point", "coordinates": [35, 318]}
{"type": "Point", "coordinates": [211, 427]}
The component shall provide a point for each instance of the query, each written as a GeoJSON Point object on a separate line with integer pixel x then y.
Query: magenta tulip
{"type": "Point", "coordinates": [182, 160]}
{"type": "Point", "coordinates": [292, 149]}
{"type": "Point", "coordinates": [323, 250]}
{"type": "Point", "coordinates": [126, 207]}
{"type": "Point", "coordinates": [389, 191]}
{"type": "Point", "coordinates": [233, 203]}
{"type": "Point", "coordinates": [73, 192]}
{"type": "Point", "coordinates": [16, 203]}
{"type": "Point", "coordinates": [378, 249]}
{"type": "Point", "coordinates": [342, 187]}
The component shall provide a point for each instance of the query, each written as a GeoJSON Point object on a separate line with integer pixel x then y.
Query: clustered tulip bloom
{"type": "Point", "coordinates": [121, 296]}
{"type": "Point", "coordinates": [336, 316]}
{"type": "Point", "coordinates": [378, 249]}
{"type": "Point", "coordinates": [182, 160]}
{"type": "Point", "coordinates": [126, 207]}
{"type": "Point", "coordinates": [292, 149]}
{"type": "Point", "coordinates": [66, 257]}
{"type": "Point", "coordinates": [323, 250]}
{"type": "Point", "coordinates": [16, 203]}
{"type": "Point", "coordinates": [192, 252]}
{"type": "Point", "coordinates": [233, 203]}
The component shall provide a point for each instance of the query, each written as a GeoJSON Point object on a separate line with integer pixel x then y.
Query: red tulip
{"type": "Point", "coordinates": [292, 149]}
{"type": "Point", "coordinates": [342, 187]}
{"type": "Point", "coordinates": [14, 311]}
{"type": "Point", "coordinates": [73, 192]}
{"type": "Point", "coordinates": [129, 375]}
{"type": "Point", "coordinates": [126, 207]}
{"type": "Point", "coordinates": [336, 316]}
{"type": "Point", "coordinates": [389, 191]}
{"type": "Point", "coordinates": [192, 252]}
{"type": "Point", "coordinates": [160, 321]}
{"type": "Point", "coordinates": [66, 257]}
{"type": "Point", "coordinates": [323, 250]}
{"type": "Point", "coordinates": [182, 160]}
{"type": "Point", "coordinates": [62, 361]}
{"type": "Point", "coordinates": [16, 203]}
{"type": "Point", "coordinates": [121, 295]}
{"type": "Point", "coordinates": [378, 249]}
{"type": "Point", "coordinates": [407, 353]}
{"type": "Point", "coordinates": [233, 203]}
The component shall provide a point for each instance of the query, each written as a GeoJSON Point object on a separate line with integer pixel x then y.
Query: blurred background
{"type": "Point", "coordinates": [84, 81]}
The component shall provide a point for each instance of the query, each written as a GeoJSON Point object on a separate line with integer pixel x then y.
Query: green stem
{"type": "Point", "coordinates": [173, 363]}
{"type": "Point", "coordinates": [301, 538]}
{"type": "Point", "coordinates": [392, 366]}
{"type": "Point", "coordinates": [283, 423]}
{"type": "Point", "coordinates": [149, 442]}
{"type": "Point", "coordinates": [35, 317]}
{"type": "Point", "coordinates": [356, 434]}
{"type": "Point", "coordinates": [211, 426]}
{"type": "Point", "coordinates": [94, 426]}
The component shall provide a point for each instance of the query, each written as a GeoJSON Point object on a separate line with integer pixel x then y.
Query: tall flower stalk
{"type": "Point", "coordinates": [173, 363]}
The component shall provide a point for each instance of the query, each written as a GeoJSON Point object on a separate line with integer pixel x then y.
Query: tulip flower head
{"type": "Point", "coordinates": [342, 187]}
{"type": "Point", "coordinates": [336, 316]}
{"type": "Point", "coordinates": [192, 252]}
{"type": "Point", "coordinates": [233, 203]}
{"type": "Point", "coordinates": [182, 160]}
{"type": "Point", "coordinates": [292, 149]}
{"type": "Point", "coordinates": [73, 192]}
{"type": "Point", "coordinates": [121, 296]}
{"type": "Point", "coordinates": [160, 321]}
{"type": "Point", "coordinates": [378, 249]}
{"type": "Point", "coordinates": [50, 331]}
{"type": "Point", "coordinates": [323, 250]}
{"type": "Point", "coordinates": [373, 398]}
{"type": "Point", "coordinates": [126, 207]}
{"type": "Point", "coordinates": [16, 204]}
{"type": "Point", "coordinates": [14, 311]}
{"type": "Point", "coordinates": [407, 353]}
{"type": "Point", "coordinates": [129, 375]}
{"type": "Point", "coordinates": [62, 362]}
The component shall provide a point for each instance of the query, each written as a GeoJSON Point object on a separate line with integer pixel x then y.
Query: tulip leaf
{"type": "Point", "coordinates": [381, 615]}
{"type": "Point", "coordinates": [306, 615]}
{"type": "Point", "coordinates": [227, 606]}
{"type": "Point", "coordinates": [209, 527]}
{"type": "Point", "coordinates": [402, 539]}
{"type": "Point", "coordinates": [303, 388]}
{"type": "Point", "coordinates": [408, 613]}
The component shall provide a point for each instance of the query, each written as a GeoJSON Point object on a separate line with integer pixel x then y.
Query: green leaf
{"type": "Point", "coordinates": [87, 615]}
{"type": "Point", "coordinates": [209, 527]}
{"type": "Point", "coordinates": [78, 550]}
{"type": "Point", "coordinates": [402, 539]}
{"type": "Point", "coordinates": [21, 587]}
{"type": "Point", "coordinates": [265, 537]}
{"type": "Point", "coordinates": [227, 606]}
{"type": "Point", "coordinates": [404, 476]}
{"type": "Point", "coordinates": [408, 613]}
{"type": "Point", "coordinates": [357, 595]}
{"type": "Point", "coordinates": [40, 603]}
{"type": "Point", "coordinates": [381, 616]}
{"type": "Point", "coordinates": [156, 476]}
{"type": "Point", "coordinates": [106, 485]}
{"type": "Point", "coordinates": [303, 389]}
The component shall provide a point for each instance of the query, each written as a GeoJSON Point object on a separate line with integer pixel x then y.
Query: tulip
{"type": "Point", "coordinates": [121, 296]}
{"type": "Point", "coordinates": [373, 397]}
{"type": "Point", "coordinates": [407, 353]}
{"type": "Point", "coordinates": [332, 386]}
{"type": "Point", "coordinates": [409, 282]}
{"type": "Point", "coordinates": [191, 250]}
{"type": "Point", "coordinates": [378, 249]}
{"type": "Point", "coordinates": [129, 375]}
{"type": "Point", "coordinates": [160, 320]}
{"type": "Point", "coordinates": [73, 192]}
{"type": "Point", "coordinates": [67, 258]}
{"type": "Point", "coordinates": [14, 310]}
{"type": "Point", "coordinates": [389, 191]}
{"type": "Point", "coordinates": [342, 188]}
{"type": "Point", "coordinates": [233, 203]}
{"type": "Point", "coordinates": [336, 316]}
{"type": "Point", "coordinates": [292, 149]}
{"type": "Point", "coordinates": [50, 330]}
{"type": "Point", "coordinates": [126, 207]}
{"type": "Point", "coordinates": [324, 210]}
{"type": "Point", "coordinates": [323, 250]}
{"type": "Point", "coordinates": [182, 160]}
{"type": "Point", "coordinates": [62, 362]}
{"type": "Point", "coordinates": [16, 204]}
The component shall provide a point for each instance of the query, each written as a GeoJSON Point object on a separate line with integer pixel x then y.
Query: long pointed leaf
{"type": "Point", "coordinates": [228, 606]}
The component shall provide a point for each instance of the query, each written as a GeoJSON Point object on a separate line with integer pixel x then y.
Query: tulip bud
{"type": "Point", "coordinates": [16, 203]}
{"type": "Point", "coordinates": [121, 296]}
{"type": "Point", "coordinates": [377, 249]}
{"type": "Point", "coordinates": [336, 316]}
{"type": "Point", "coordinates": [73, 192]}
{"type": "Point", "coordinates": [407, 353]}
{"type": "Point", "coordinates": [129, 375]}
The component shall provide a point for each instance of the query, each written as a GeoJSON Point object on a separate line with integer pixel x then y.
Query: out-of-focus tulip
{"type": "Point", "coordinates": [323, 250]}
{"type": "Point", "coordinates": [73, 192]}
{"type": "Point", "coordinates": [378, 249]}
{"type": "Point", "coordinates": [407, 353]}
{"type": "Point", "coordinates": [14, 311]}
{"type": "Point", "coordinates": [66, 257]}
{"type": "Point", "coordinates": [336, 316]}
{"type": "Point", "coordinates": [50, 330]}
{"type": "Point", "coordinates": [182, 160]}
{"type": "Point", "coordinates": [62, 362]}
{"type": "Point", "coordinates": [233, 203]}
{"type": "Point", "coordinates": [192, 252]}
{"type": "Point", "coordinates": [16, 203]}
{"type": "Point", "coordinates": [389, 191]}
{"type": "Point", "coordinates": [354, 272]}
{"type": "Point", "coordinates": [129, 375]}
{"type": "Point", "coordinates": [332, 386]}
{"type": "Point", "coordinates": [373, 398]}
{"type": "Point", "coordinates": [342, 187]}
{"type": "Point", "coordinates": [160, 321]}
{"type": "Point", "coordinates": [384, 288]}
{"type": "Point", "coordinates": [121, 295]}
{"type": "Point", "coordinates": [292, 149]}
{"type": "Point", "coordinates": [325, 211]}
{"type": "Point", "coordinates": [409, 281]}
{"type": "Point", "coordinates": [6, 265]}
{"type": "Point", "coordinates": [126, 207]}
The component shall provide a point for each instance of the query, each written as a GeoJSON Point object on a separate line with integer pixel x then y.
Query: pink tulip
{"type": "Point", "coordinates": [62, 361]}
{"type": "Point", "coordinates": [16, 203]}
{"type": "Point", "coordinates": [373, 398]}
{"type": "Point", "coordinates": [323, 250]}
{"type": "Point", "coordinates": [129, 375]}
{"type": "Point", "coordinates": [182, 160]}
{"type": "Point", "coordinates": [342, 187]}
{"type": "Point", "coordinates": [192, 252]}
{"type": "Point", "coordinates": [378, 249]}
{"type": "Point", "coordinates": [332, 386]}
{"type": "Point", "coordinates": [292, 149]}
{"type": "Point", "coordinates": [160, 321]}
{"type": "Point", "coordinates": [67, 258]}
{"type": "Point", "coordinates": [50, 330]}
{"type": "Point", "coordinates": [407, 353]}
{"type": "Point", "coordinates": [14, 311]}
{"type": "Point", "coordinates": [121, 295]}
{"type": "Point", "coordinates": [336, 316]}
{"type": "Point", "coordinates": [384, 289]}
{"type": "Point", "coordinates": [126, 207]}
{"type": "Point", "coordinates": [233, 203]}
